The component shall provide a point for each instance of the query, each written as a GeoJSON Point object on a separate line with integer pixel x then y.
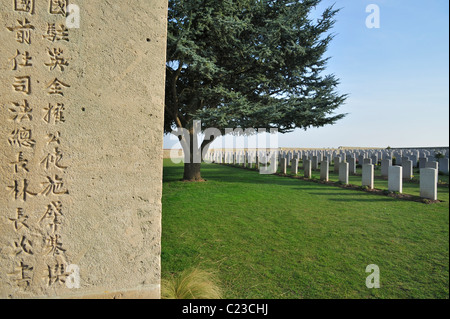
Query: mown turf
{"type": "Point", "coordinates": [277, 237]}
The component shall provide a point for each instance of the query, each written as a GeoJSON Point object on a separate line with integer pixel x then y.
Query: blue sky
{"type": "Point", "coordinates": [397, 77]}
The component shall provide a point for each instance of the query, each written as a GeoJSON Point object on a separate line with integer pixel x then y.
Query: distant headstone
{"type": "Point", "coordinates": [407, 169]}
{"type": "Point", "coordinates": [344, 173]}
{"type": "Point", "coordinates": [361, 160]}
{"type": "Point", "coordinates": [428, 183]}
{"type": "Point", "coordinates": [352, 165]}
{"type": "Point", "coordinates": [324, 171]}
{"type": "Point", "coordinates": [337, 162]}
{"type": "Point", "coordinates": [368, 175]}
{"type": "Point", "coordinates": [414, 160]}
{"type": "Point", "coordinates": [250, 161]}
{"type": "Point", "coordinates": [294, 166]}
{"type": "Point", "coordinates": [374, 159]}
{"type": "Point", "coordinates": [385, 164]}
{"type": "Point", "coordinates": [307, 168]}
{"type": "Point", "coordinates": [423, 162]}
{"type": "Point", "coordinates": [315, 163]}
{"type": "Point", "coordinates": [444, 165]}
{"type": "Point", "coordinates": [433, 164]}
{"type": "Point", "coordinates": [283, 165]}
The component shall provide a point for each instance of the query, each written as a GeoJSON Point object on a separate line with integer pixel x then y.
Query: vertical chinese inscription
{"type": "Point", "coordinates": [80, 138]}
{"type": "Point", "coordinates": [54, 187]}
{"type": "Point", "coordinates": [35, 110]}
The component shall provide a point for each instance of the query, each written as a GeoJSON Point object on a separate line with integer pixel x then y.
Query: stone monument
{"type": "Point", "coordinates": [81, 128]}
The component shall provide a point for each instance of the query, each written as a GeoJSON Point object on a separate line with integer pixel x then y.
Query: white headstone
{"type": "Point", "coordinates": [307, 168]}
{"type": "Point", "coordinates": [407, 169]}
{"type": "Point", "coordinates": [324, 171]}
{"type": "Point", "coordinates": [283, 165]}
{"type": "Point", "coordinates": [368, 175]}
{"type": "Point", "coordinates": [395, 182]}
{"type": "Point", "coordinates": [428, 183]}
{"type": "Point", "coordinates": [294, 166]}
{"type": "Point", "coordinates": [344, 173]}
{"type": "Point", "coordinates": [385, 164]}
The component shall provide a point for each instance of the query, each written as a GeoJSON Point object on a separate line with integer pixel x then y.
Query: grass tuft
{"type": "Point", "coordinates": [191, 284]}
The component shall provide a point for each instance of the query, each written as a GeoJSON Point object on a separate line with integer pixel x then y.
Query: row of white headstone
{"type": "Point", "coordinates": [345, 165]}
{"type": "Point", "coordinates": [428, 176]}
{"type": "Point", "coordinates": [421, 158]}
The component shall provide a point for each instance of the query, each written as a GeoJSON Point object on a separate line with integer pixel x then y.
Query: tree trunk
{"type": "Point", "coordinates": [193, 152]}
{"type": "Point", "coordinates": [192, 172]}
{"type": "Point", "coordinates": [192, 165]}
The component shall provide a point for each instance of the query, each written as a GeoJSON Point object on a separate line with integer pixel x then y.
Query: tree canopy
{"type": "Point", "coordinates": [249, 64]}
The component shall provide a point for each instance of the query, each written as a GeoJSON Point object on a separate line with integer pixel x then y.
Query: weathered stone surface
{"type": "Point", "coordinates": [81, 131]}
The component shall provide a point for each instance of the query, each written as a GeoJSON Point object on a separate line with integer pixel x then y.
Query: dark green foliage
{"type": "Point", "coordinates": [249, 64]}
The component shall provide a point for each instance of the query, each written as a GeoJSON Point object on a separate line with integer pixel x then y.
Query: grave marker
{"type": "Point", "coordinates": [395, 179]}
{"type": "Point", "coordinates": [428, 183]}
{"type": "Point", "coordinates": [368, 175]}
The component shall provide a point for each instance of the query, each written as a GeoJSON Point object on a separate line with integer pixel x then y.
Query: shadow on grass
{"type": "Point", "coordinates": [237, 175]}
{"type": "Point", "coordinates": [360, 200]}
{"type": "Point", "coordinates": [222, 173]}
{"type": "Point", "coordinates": [338, 194]}
{"type": "Point", "coordinates": [351, 196]}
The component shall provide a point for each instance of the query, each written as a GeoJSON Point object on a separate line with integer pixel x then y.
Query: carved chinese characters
{"type": "Point", "coordinates": [81, 128]}
{"type": "Point", "coordinates": [35, 111]}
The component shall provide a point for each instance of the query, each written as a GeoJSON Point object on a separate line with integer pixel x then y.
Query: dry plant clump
{"type": "Point", "coordinates": [191, 284]}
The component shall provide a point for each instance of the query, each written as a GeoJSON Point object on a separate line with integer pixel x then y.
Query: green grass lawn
{"type": "Point", "coordinates": [275, 237]}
